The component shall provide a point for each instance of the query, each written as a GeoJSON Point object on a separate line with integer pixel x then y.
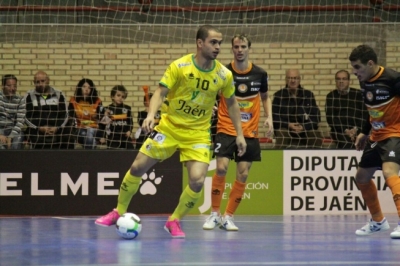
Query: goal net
{"type": "Point", "coordinates": [130, 43]}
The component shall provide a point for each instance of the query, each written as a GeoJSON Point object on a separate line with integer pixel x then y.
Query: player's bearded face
{"type": "Point", "coordinates": [211, 46]}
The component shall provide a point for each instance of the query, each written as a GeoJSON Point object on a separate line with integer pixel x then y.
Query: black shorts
{"type": "Point", "coordinates": [225, 146]}
{"type": "Point", "coordinates": [376, 153]}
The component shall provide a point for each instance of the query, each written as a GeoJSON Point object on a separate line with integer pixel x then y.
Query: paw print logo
{"type": "Point", "coordinates": [150, 183]}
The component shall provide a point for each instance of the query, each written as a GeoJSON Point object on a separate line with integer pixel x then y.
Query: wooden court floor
{"type": "Point", "coordinates": [261, 240]}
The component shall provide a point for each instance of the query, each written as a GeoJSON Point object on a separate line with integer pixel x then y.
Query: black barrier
{"type": "Point", "coordinates": [82, 183]}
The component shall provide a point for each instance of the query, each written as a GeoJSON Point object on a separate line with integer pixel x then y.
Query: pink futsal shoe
{"type": "Point", "coordinates": [108, 219]}
{"type": "Point", "coordinates": [174, 228]}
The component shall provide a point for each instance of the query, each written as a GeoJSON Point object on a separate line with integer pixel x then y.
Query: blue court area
{"type": "Point", "coordinates": [261, 240]}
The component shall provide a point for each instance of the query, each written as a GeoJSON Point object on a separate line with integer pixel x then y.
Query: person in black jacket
{"type": "Point", "coordinates": [47, 116]}
{"type": "Point", "coordinates": [296, 115]}
{"type": "Point", "coordinates": [116, 121]}
{"type": "Point", "coordinates": [345, 111]}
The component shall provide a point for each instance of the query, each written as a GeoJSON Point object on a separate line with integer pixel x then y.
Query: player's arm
{"type": "Point", "coordinates": [155, 103]}
{"type": "Point", "coordinates": [234, 114]}
{"type": "Point", "coordinates": [267, 106]}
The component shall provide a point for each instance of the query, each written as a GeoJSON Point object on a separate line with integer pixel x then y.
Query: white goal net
{"type": "Point", "coordinates": [130, 43]}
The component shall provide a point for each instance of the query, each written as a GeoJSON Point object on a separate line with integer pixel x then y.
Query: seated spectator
{"type": "Point", "coordinates": [117, 123]}
{"type": "Point", "coordinates": [295, 115]}
{"type": "Point", "coordinates": [345, 112]}
{"type": "Point", "coordinates": [141, 117]}
{"type": "Point", "coordinates": [46, 115]}
{"type": "Point", "coordinates": [83, 108]}
{"type": "Point", "coordinates": [12, 114]}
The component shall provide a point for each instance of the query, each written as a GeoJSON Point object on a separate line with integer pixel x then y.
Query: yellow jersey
{"type": "Point", "coordinates": [193, 91]}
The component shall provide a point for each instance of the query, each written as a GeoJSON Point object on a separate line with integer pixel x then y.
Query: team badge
{"type": "Point", "coordinates": [242, 88]}
{"type": "Point", "coordinates": [369, 96]}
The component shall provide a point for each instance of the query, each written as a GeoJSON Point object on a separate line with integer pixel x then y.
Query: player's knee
{"type": "Point", "coordinates": [196, 184]}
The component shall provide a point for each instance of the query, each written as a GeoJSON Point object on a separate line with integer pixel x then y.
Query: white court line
{"type": "Point", "coordinates": [200, 220]}
{"type": "Point", "coordinates": [264, 263]}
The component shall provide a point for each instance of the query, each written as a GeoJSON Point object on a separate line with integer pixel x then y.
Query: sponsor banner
{"type": "Point", "coordinates": [263, 194]}
{"type": "Point", "coordinates": [323, 182]}
{"type": "Point", "coordinates": [82, 182]}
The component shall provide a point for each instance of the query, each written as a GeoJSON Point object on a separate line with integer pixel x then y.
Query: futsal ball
{"type": "Point", "coordinates": [129, 226]}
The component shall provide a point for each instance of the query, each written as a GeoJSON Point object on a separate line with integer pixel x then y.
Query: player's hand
{"type": "Point", "coordinates": [360, 141]}
{"type": "Point", "coordinates": [3, 139]}
{"type": "Point", "coordinates": [241, 144]}
{"type": "Point", "coordinates": [270, 131]}
{"type": "Point", "coordinates": [148, 124]}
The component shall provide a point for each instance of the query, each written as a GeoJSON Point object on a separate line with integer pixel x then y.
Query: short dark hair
{"type": "Point", "coordinates": [202, 32]}
{"type": "Point", "coordinates": [6, 77]}
{"type": "Point", "coordinates": [364, 53]}
{"type": "Point", "coordinates": [344, 71]}
{"type": "Point", "coordinates": [242, 37]}
{"type": "Point", "coordinates": [118, 88]}
{"type": "Point", "coordinates": [79, 93]}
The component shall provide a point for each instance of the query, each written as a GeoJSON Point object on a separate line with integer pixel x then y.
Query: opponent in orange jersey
{"type": "Point", "coordinates": [381, 92]}
{"type": "Point", "coordinates": [251, 89]}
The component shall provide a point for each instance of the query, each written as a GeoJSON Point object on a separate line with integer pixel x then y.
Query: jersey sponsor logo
{"type": "Point", "coordinates": [255, 83]}
{"type": "Point", "coordinates": [384, 92]}
{"type": "Point", "coordinates": [124, 110]}
{"type": "Point", "coordinates": [369, 96]}
{"type": "Point", "coordinates": [215, 80]}
{"type": "Point", "coordinates": [157, 136]}
{"type": "Point", "coordinates": [201, 146]}
{"type": "Point", "coordinates": [254, 89]}
{"type": "Point", "coordinates": [194, 95]}
{"type": "Point", "coordinates": [382, 97]}
{"type": "Point", "coordinates": [375, 113]}
{"type": "Point", "coordinates": [184, 64]}
{"type": "Point", "coordinates": [239, 78]}
{"type": "Point", "coordinates": [378, 125]}
{"type": "Point", "coordinates": [242, 88]}
{"type": "Point", "coordinates": [119, 123]}
{"type": "Point", "coordinates": [245, 117]}
{"type": "Point", "coordinates": [244, 105]}
{"type": "Point", "coordinates": [191, 76]}
{"type": "Point", "coordinates": [192, 110]}
{"type": "Point", "coordinates": [221, 73]}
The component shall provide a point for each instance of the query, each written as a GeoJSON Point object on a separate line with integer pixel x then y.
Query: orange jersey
{"type": "Point", "coordinates": [382, 98]}
{"type": "Point", "coordinates": [248, 86]}
{"type": "Point", "coordinates": [85, 112]}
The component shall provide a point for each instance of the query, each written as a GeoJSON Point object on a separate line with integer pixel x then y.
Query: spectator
{"type": "Point", "coordinates": [141, 117]}
{"type": "Point", "coordinates": [83, 108]}
{"type": "Point", "coordinates": [345, 111]}
{"type": "Point", "coordinates": [46, 115]}
{"type": "Point", "coordinates": [12, 114]}
{"type": "Point", "coordinates": [117, 121]}
{"type": "Point", "coordinates": [296, 115]}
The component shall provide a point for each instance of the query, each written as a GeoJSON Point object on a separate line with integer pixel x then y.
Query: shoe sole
{"type": "Point", "coordinates": [230, 230]}
{"type": "Point", "coordinates": [211, 228]}
{"type": "Point", "coordinates": [395, 237]}
{"type": "Point", "coordinates": [382, 230]}
{"type": "Point", "coordinates": [166, 229]}
{"type": "Point", "coordinates": [104, 225]}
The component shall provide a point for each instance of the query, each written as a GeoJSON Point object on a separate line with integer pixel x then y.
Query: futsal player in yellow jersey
{"type": "Point", "coordinates": [191, 84]}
